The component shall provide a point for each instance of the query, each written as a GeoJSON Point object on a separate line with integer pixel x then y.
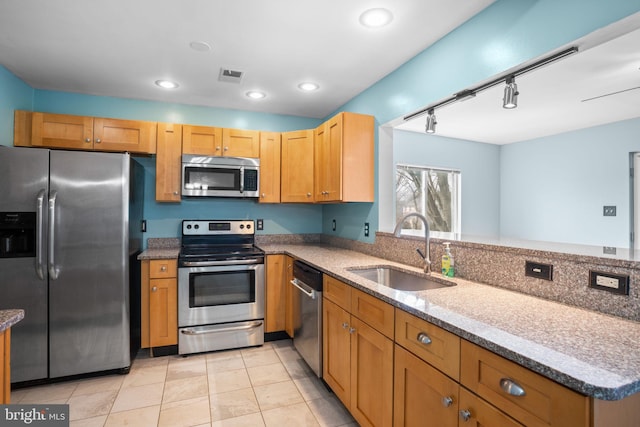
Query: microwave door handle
{"type": "Point", "coordinates": [40, 267]}
{"type": "Point", "coordinates": [241, 179]}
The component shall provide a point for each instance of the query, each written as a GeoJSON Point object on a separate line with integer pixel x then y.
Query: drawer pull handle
{"type": "Point", "coordinates": [423, 338]}
{"type": "Point", "coordinates": [447, 401]}
{"type": "Point", "coordinates": [511, 387]}
{"type": "Point", "coordinates": [465, 415]}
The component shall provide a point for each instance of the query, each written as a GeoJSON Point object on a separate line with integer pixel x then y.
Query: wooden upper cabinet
{"type": "Point", "coordinates": [62, 131]}
{"type": "Point", "coordinates": [297, 167]}
{"type": "Point", "coordinates": [345, 159]}
{"type": "Point", "coordinates": [168, 162]}
{"type": "Point", "coordinates": [269, 167]}
{"type": "Point", "coordinates": [124, 135]}
{"type": "Point", "coordinates": [92, 133]}
{"type": "Point", "coordinates": [240, 143]}
{"type": "Point", "coordinates": [205, 140]}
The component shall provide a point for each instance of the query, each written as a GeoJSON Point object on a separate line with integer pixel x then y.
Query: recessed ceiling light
{"type": "Point", "coordinates": [200, 46]}
{"type": "Point", "coordinates": [308, 86]}
{"type": "Point", "coordinates": [166, 84]}
{"type": "Point", "coordinates": [376, 18]}
{"type": "Point", "coordinates": [255, 94]}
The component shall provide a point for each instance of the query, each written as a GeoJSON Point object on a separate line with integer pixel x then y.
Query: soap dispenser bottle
{"type": "Point", "coordinates": [447, 261]}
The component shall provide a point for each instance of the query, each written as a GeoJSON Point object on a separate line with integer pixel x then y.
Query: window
{"type": "Point", "coordinates": [435, 193]}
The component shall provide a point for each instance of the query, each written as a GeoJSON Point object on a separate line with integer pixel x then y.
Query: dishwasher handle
{"type": "Point", "coordinates": [311, 293]}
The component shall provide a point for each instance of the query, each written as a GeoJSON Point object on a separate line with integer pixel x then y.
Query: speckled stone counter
{"type": "Point", "coordinates": [594, 354]}
{"type": "Point", "coordinates": [8, 318]}
{"type": "Point", "coordinates": [161, 248]}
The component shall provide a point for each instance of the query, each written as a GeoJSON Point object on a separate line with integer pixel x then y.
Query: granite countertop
{"type": "Point", "coordinates": [592, 353]}
{"type": "Point", "coordinates": [8, 318]}
{"type": "Point", "coordinates": [159, 253]}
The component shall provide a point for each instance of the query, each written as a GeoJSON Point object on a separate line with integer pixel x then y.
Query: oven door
{"type": "Point", "coordinates": [220, 294]}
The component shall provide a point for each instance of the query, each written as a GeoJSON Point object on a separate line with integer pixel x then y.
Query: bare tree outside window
{"type": "Point", "coordinates": [433, 192]}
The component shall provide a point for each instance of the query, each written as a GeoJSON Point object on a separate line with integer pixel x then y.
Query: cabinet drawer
{"type": "Point", "coordinates": [337, 291]}
{"type": "Point", "coordinates": [429, 342]}
{"type": "Point", "coordinates": [480, 413]}
{"type": "Point", "coordinates": [544, 402]}
{"type": "Point", "coordinates": [376, 313]}
{"type": "Point", "coordinates": [163, 268]}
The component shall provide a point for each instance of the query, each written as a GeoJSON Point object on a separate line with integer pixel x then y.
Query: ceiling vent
{"type": "Point", "coordinates": [231, 76]}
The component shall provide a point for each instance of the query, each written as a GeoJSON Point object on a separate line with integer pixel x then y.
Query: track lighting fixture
{"type": "Point", "coordinates": [511, 93]}
{"type": "Point", "coordinates": [431, 122]}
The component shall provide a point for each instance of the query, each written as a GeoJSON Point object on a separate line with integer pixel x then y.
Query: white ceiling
{"type": "Point", "coordinates": [551, 98]}
{"type": "Point", "coordinates": [120, 47]}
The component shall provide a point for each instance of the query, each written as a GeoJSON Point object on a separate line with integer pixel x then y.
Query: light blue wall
{"type": "Point", "coordinates": [14, 94]}
{"type": "Point", "coordinates": [479, 165]}
{"type": "Point", "coordinates": [554, 188]}
{"type": "Point", "coordinates": [502, 36]}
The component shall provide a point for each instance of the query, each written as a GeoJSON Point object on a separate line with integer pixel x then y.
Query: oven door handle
{"type": "Point", "coordinates": [298, 284]}
{"type": "Point", "coordinates": [213, 263]}
{"type": "Point", "coordinates": [215, 329]}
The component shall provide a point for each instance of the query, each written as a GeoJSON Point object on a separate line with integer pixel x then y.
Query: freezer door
{"type": "Point", "coordinates": [24, 174]}
{"type": "Point", "coordinates": [88, 263]}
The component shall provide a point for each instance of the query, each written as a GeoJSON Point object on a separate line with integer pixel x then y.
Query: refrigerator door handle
{"type": "Point", "coordinates": [40, 267]}
{"type": "Point", "coordinates": [53, 271]}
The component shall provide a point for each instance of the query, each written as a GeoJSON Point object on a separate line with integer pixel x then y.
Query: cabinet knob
{"type": "Point", "coordinates": [465, 415]}
{"type": "Point", "coordinates": [87, 140]}
{"type": "Point", "coordinates": [217, 148]}
{"type": "Point", "coordinates": [163, 268]}
{"type": "Point", "coordinates": [154, 289]}
{"type": "Point", "coordinates": [423, 338]}
{"type": "Point", "coordinates": [98, 141]}
{"type": "Point", "coordinates": [345, 325]}
{"type": "Point", "coordinates": [175, 193]}
{"type": "Point", "coordinates": [511, 387]}
{"type": "Point", "coordinates": [352, 330]}
{"type": "Point", "coordinates": [308, 194]}
{"type": "Point", "coordinates": [447, 401]}
{"type": "Point", "coordinates": [226, 148]}
{"type": "Point", "coordinates": [263, 194]}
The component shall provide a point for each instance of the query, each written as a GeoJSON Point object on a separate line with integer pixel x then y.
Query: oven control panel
{"type": "Point", "coordinates": [216, 227]}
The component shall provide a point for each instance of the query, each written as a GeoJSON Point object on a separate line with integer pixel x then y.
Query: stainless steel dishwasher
{"type": "Point", "coordinates": [307, 334]}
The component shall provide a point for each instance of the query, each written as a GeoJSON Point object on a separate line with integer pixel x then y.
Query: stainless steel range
{"type": "Point", "coordinates": [221, 286]}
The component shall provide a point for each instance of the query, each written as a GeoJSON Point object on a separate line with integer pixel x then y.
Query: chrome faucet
{"type": "Point", "coordinates": [425, 255]}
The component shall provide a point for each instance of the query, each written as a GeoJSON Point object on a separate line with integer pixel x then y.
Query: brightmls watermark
{"type": "Point", "coordinates": [34, 415]}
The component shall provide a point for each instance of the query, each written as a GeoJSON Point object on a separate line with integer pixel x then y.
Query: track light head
{"type": "Point", "coordinates": [431, 122]}
{"type": "Point", "coordinates": [511, 93]}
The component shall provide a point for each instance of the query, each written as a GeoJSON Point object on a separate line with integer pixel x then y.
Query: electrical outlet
{"type": "Point", "coordinates": [609, 211]}
{"type": "Point", "coordinates": [616, 283]}
{"type": "Point", "coordinates": [259, 224]}
{"type": "Point", "coordinates": [609, 250]}
{"type": "Point", "coordinates": [143, 226]}
{"type": "Point", "coordinates": [366, 229]}
{"type": "Point", "coordinates": [333, 225]}
{"type": "Point", "coordinates": [538, 270]}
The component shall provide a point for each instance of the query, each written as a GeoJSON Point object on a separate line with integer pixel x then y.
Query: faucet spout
{"type": "Point", "coordinates": [425, 256]}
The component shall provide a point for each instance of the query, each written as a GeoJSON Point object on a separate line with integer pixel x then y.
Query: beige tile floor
{"type": "Point", "coordinates": [261, 386]}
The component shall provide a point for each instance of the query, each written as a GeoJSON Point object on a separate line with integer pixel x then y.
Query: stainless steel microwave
{"type": "Point", "coordinates": [210, 176]}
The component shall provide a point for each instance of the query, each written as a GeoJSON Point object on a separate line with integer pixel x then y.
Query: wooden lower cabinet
{"type": "Point", "coordinates": [159, 299]}
{"type": "Point", "coordinates": [275, 307]}
{"type": "Point", "coordinates": [358, 365]}
{"type": "Point", "coordinates": [5, 367]}
{"type": "Point", "coordinates": [292, 299]}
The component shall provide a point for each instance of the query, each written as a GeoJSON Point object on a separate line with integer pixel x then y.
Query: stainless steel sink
{"type": "Point", "coordinates": [401, 280]}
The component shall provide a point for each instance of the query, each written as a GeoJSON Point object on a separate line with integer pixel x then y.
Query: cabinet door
{"type": "Point", "coordinates": [274, 318]}
{"type": "Point", "coordinates": [292, 310]}
{"type": "Point", "coordinates": [357, 157]}
{"type": "Point", "coordinates": [163, 312]}
{"type": "Point", "coordinates": [269, 167]}
{"type": "Point", "coordinates": [371, 375]}
{"type": "Point", "coordinates": [203, 140]}
{"type": "Point", "coordinates": [336, 350]}
{"type": "Point", "coordinates": [333, 160]}
{"type": "Point", "coordinates": [22, 128]}
{"type": "Point", "coordinates": [62, 131]}
{"type": "Point", "coordinates": [297, 167]}
{"type": "Point", "coordinates": [475, 412]}
{"type": "Point", "coordinates": [134, 136]}
{"type": "Point", "coordinates": [241, 143]}
{"type": "Point", "coordinates": [321, 161]}
{"type": "Point", "coordinates": [424, 397]}
{"type": "Point", "coordinates": [168, 162]}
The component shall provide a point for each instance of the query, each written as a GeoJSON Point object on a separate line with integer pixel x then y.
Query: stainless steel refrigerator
{"type": "Point", "coordinates": [69, 230]}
